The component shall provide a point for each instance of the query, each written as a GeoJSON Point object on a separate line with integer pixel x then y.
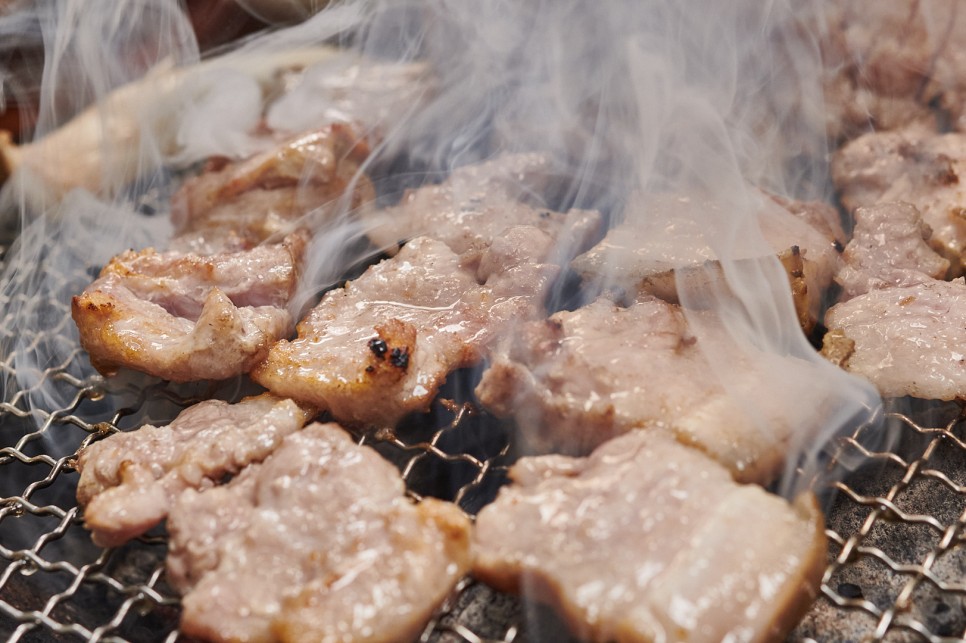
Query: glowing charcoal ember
{"type": "Point", "coordinates": [129, 480]}
{"type": "Point", "coordinates": [183, 317]}
{"type": "Point", "coordinates": [380, 347]}
{"type": "Point", "coordinates": [244, 203]}
{"type": "Point", "coordinates": [912, 166]}
{"type": "Point", "coordinates": [580, 378]}
{"type": "Point", "coordinates": [905, 340]}
{"type": "Point", "coordinates": [649, 540]}
{"type": "Point", "coordinates": [317, 543]}
{"type": "Point", "coordinates": [888, 248]}
{"type": "Point", "coordinates": [478, 202]}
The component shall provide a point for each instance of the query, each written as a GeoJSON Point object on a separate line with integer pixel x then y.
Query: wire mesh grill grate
{"type": "Point", "coordinates": [896, 524]}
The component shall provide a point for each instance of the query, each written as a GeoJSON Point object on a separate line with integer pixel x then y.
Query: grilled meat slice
{"type": "Point", "coordinates": [237, 205]}
{"type": "Point", "coordinates": [912, 166]}
{"type": "Point", "coordinates": [649, 540]}
{"type": "Point", "coordinates": [886, 64]}
{"type": "Point", "coordinates": [580, 378]}
{"type": "Point", "coordinates": [188, 317]}
{"type": "Point", "coordinates": [906, 340]}
{"type": "Point", "coordinates": [477, 203]}
{"type": "Point", "coordinates": [888, 248]}
{"type": "Point", "coordinates": [129, 481]}
{"type": "Point", "coordinates": [664, 240]}
{"type": "Point", "coordinates": [380, 347]}
{"type": "Point", "coordinates": [317, 543]}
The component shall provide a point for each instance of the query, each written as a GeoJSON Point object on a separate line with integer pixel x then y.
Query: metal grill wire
{"type": "Point", "coordinates": [896, 525]}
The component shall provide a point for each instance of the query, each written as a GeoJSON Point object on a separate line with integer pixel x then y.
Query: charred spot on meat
{"type": "Point", "coordinates": [378, 347]}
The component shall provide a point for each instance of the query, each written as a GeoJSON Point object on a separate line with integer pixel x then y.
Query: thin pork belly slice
{"type": "Point", "coordinates": [317, 543]}
{"type": "Point", "coordinates": [907, 340]}
{"type": "Point", "coordinates": [380, 347]}
{"type": "Point", "coordinates": [129, 481]}
{"type": "Point", "coordinates": [478, 202]}
{"type": "Point", "coordinates": [239, 204]}
{"type": "Point", "coordinates": [183, 317]}
{"type": "Point", "coordinates": [888, 248]}
{"type": "Point", "coordinates": [914, 166]}
{"type": "Point", "coordinates": [649, 540]}
{"type": "Point", "coordinates": [648, 254]}
{"type": "Point", "coordinates": [580, 378]}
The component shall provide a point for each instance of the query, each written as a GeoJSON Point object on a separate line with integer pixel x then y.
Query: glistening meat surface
{"type": "Point", "coordinates": [317, 543]}
{"type": "Point", "coordinates": [888, 248]}
{"type": "Point", "coordinates": [914, 166]}
{"type": "Point", "coordinates": [380, 347]}
{"type": "Point", "coordinates": [129, 481]}
{"type": "Point", "coordinates": [580, 378]}
{"type": "Point", "coordinates": [477, 203]}
{"type": "Point", "coordinates": [182, 316]}
{"type": "Point", "coordinates": [648, 540]}
{"type": "Point", "coordinates": [908, 340]}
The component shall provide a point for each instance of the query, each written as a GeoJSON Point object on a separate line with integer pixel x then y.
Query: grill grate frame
{"type": "Point", "coordinates": [56, 585]}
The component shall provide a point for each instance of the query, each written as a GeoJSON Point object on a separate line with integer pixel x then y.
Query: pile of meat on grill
{"type": "Point", "coordinates": [639, 509]}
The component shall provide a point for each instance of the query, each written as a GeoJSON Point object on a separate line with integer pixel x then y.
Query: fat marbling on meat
{"type": "Point", "coordinates": [317, 543]}
{"type": "Point", "coordinates": [908, 340]}
{"type": "Point", "coordinates": [380, 347]}
{"type": "Point", "coordinates": [129, 481]}
{"type": "Point", "coordinates": [649, 540]}
{"type": "Point", "coordinates": [916, 167]}
{"type": "Point", "coordinates": [184, 316]}
{"type": "Point", "coordinates": [888, 248]}
{"type": "Point", "coordinates": [582, 377]}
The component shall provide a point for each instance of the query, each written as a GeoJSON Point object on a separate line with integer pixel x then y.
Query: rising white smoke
{"type": "Point", "coordinates": [644, 96]}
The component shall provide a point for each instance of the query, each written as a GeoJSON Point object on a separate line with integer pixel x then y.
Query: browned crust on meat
{"type": "Point", "coordinates": [95, 313]}
{"type": "Point", "coordinates": [797, 594]}
{"type": "Point", "coordinates": [794, 264]}
{"type": "Point", "coordinates": [837, 347]}
{"type": "Point", "coordinates": [707, 278]}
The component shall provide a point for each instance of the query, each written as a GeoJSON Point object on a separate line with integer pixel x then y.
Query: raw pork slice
{"type": "Point", "coordinates": [183, 316]}
{"type": "Point", "coordinates": [580, 378]}
{"type": "Point", "coordinates": [129, 480]}
{"type": "Point", "coordinates": [888, 248]}
{"type": "Point", "coordinates": [380, 347]}
{"type": "Point", "coordinates": [649, 540]}
{"type": "Point", "coordinates": [317, 543]}
{"type": "Point", "coordinates": [908, 340]}
{"type": "Point", "coordinates": [920, 168]}
{"type": "Point", "coordinates": [237, 205]}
